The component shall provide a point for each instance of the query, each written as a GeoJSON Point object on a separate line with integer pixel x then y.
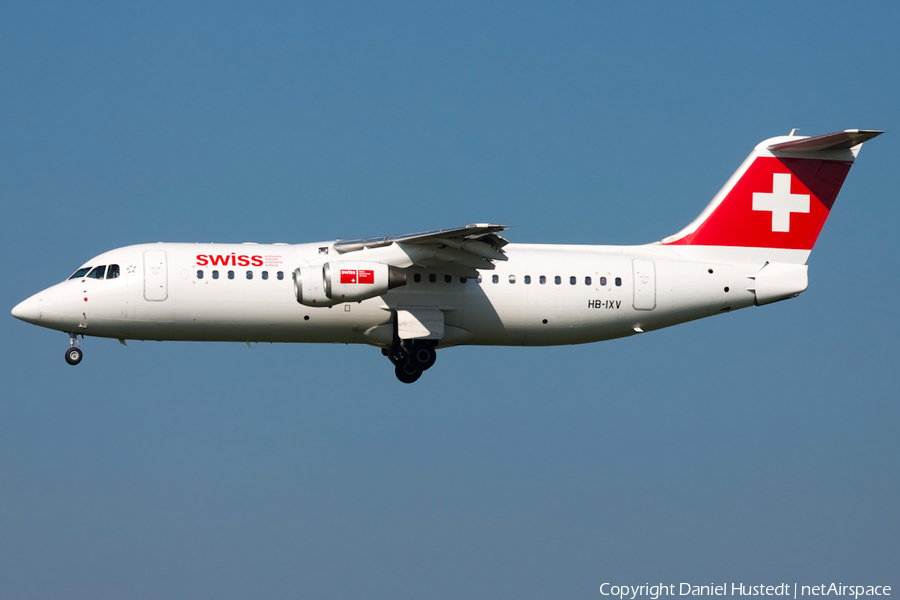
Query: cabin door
{"type": "Point", "coordinates": [644, 284]}
{"type": "Point", "coordinates": [155, 277]}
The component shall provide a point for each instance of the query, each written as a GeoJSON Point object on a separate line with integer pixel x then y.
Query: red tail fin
{"type": "Point", "coordinates": [781, 195]}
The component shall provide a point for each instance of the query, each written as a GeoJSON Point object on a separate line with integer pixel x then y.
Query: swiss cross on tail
{"type": "Point", "coordinates": [781, 202]}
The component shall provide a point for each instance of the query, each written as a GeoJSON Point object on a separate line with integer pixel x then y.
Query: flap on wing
{"type": "Point", "coordinates": [459, 251]}
{"type": "Point", "coordinates": [840, 140]}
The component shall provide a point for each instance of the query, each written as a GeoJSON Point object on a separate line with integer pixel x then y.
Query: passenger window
{"type": "Point", "coordinates": [199, 274]}
{"type": "Point", "coordinates": [512, 278]}
{"type": "Point", "coordinates": [603, 281]}
{"type": "Point", "coordinates": [215, 274]}
{"type": "Point", "coordinates": [265, 275]}
{"type": "Point", "coordinates": [249, 274]}
{"type": "Point", "coordinates": [432, 277]}
{"type": "Point", "coordinates": [112, 272]}
{"type": "Point", "coordinates": [557, 280]}
{"type": "Point", "coordinates": [230, 274]}
{"type": "Point", "coordinates": [618, 281]}
{"type": "Point", "coordinates": [543, 280]}
{"type": "Point", "coordinates": [80, 273]}
{"type": "Point", "coordinates": [587, 281]}
{"type": "Point", "coordinates": [417, 277]}
{"type": "Point", "coordinates": [98, 272]}
{"type": "Point", "coordinates": [462, 279]}
{"type": "Point", "coordinates": [572, 280]}
{"type": "Point", "coordinates": [280, 275]}
{"type": "Point", "coordinates": [479, 278]}
{"type": "Point", "coordinates": [447, 279]}
{"type": "Point", "coordinates": [495, 278]}
{"type": "Point", "coordinates": [527, 279]}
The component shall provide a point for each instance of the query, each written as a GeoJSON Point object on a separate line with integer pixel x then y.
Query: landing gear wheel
{"type": "Point", "coordinates": [74, 356]}
{"type": "Point", "coordinates": [423, 356]}
{"type": "Point", "coordinates": [407, 372]}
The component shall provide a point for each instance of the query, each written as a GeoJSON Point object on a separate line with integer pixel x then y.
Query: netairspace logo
{"type": "Point", "coordinates": [632, 592]}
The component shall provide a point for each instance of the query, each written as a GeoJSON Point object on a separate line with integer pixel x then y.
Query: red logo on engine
{"type": "Point", "coordinates": [360, 276]}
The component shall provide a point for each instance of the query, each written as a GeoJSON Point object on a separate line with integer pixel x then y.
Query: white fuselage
{"type": "Point", "coordinates": [560, 295]}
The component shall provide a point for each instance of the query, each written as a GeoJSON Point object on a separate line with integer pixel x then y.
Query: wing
{"type": "Point", "coordinates": [459, 251]}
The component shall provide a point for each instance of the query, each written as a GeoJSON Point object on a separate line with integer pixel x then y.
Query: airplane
{"type": "Point", "coordinates": [411, 295]}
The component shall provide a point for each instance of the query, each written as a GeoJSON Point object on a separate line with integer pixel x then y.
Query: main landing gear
{"type": "Point", "coordinates": [74, 353]}
{"type": "Point", "coordinates": [411, 358]}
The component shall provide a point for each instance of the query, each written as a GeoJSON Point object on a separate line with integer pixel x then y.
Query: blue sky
{"type": "Point", "coordinates": [757, 446]}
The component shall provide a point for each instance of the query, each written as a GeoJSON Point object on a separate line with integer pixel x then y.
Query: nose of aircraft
{"type": "Point", "coordinates": [28, 310]}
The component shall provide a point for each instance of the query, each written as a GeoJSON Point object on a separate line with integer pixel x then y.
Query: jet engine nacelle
{"type": "Point", "coordinates": [309, 287]}
{"type": "Point", "coordinates": [344, 281]}
{"type": "Point", "coordinates": [351, 281]}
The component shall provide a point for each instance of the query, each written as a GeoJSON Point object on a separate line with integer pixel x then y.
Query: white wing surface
{"type": "Point", "coordinates": [459, 251]}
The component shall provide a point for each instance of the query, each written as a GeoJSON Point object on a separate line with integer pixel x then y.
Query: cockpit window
{"type": "Point", "coordinates": [80, 273]}
{"type": "Point", "coordinates": [112, 272]}
{"type": "Point", "coordinates": [97, 273]}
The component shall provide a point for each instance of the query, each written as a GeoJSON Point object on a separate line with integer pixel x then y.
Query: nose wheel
{"type": "Point", "coordinates": [74, 353]}
{"type": "Point", "coordinates": [74, 356]}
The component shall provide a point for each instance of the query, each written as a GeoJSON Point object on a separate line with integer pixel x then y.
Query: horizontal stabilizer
{"type": "Point", "coordinates": [841, 140]}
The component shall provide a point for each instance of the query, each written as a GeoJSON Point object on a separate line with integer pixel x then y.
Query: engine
{"type": "Point", "coordinates": [309, 287]}
{"type": "Point", "coordinates": [344, 281]}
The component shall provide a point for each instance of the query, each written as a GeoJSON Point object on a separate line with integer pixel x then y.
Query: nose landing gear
{"type": "Point", "coordinates": [74, 353]}
{"type": "Point", "coordinates": [411, 358]}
